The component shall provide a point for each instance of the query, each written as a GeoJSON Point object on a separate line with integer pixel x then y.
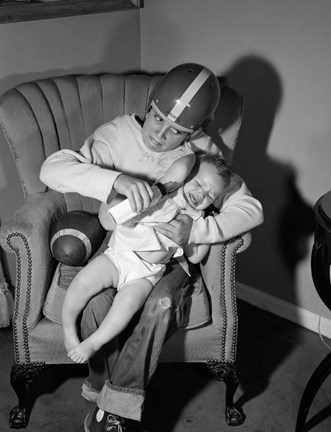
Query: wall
{"type": "Point", "coordinates": [278, 55]}
{"type": "Point", "coordinates": [108, 42]}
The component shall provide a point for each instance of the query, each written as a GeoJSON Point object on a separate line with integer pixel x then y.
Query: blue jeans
{"type": "Point", "coordinates": [122, 369]}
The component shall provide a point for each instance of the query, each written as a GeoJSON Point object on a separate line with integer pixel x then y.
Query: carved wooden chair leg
{"type": "Point", "coordinates": [21, 376]}
{"type": "Point", "coordinates": [316, 380]}
{"type": "Point", "coordinates": [228, 372]}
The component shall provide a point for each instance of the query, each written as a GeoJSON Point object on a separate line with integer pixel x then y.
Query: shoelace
{"type": "Point", "coordinates": [113, 421]}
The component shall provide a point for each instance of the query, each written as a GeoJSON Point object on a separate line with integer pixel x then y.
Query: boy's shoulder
{"type": "Point", "coordinates": [204, 143]}
{"type": "Point", "coordinates": [118, 120]}
{"type": "Point", "coordinates": [124, 123]}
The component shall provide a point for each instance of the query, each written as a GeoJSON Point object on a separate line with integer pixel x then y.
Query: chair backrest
{"type": "Point", "coordinates": [41, 117]}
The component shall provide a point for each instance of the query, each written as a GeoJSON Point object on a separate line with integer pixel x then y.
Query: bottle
{"type": "Point", "coordinates": [122, 212]}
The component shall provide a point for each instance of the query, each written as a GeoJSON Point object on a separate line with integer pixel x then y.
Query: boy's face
{"type": "Point", "coordinates": [204, 186]}
{"type": "Point", "coordinates": [159, 134]}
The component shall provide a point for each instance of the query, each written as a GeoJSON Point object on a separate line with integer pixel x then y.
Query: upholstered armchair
{"type": "Point", "coordinates": [43, 116]}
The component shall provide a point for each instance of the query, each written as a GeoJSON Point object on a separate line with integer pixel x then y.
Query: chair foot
{"type": "Point", "coordinates": [235, 416]}
{"type": "Point", "coordinates": [18, 418]}
{"type": "Point", "coordinates": [228, 372]}
{"type": "Point", "coordinates": [21, 376]}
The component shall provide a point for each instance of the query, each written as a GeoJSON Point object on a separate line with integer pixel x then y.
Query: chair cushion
{"type": "Point", "coordinates": [55, 296]}
{"type": "Point", "coordinates": [196, 308]}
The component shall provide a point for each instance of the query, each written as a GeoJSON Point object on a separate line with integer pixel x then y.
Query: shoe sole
{"type": "Point", "coordinates": [86, 421]}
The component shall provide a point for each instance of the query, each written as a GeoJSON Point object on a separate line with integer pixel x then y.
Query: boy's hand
{"type": "Point", "coordinates": [178, 230]}
{"type": "Point", "coordinates": [138, 192]}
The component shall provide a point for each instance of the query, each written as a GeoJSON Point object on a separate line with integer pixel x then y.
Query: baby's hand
{"type": "Point", "coordinates": [178, 230]}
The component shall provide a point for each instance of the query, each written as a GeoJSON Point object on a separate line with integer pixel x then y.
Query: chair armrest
{"type": "Point", "coordinates": [218, 272]}
{"type": "Point", "coordinates": [25, 232]}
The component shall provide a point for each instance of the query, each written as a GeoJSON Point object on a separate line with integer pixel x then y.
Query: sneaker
{"type": "Point", "coordinates": [102, 421]}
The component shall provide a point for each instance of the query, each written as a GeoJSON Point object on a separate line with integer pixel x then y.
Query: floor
{"type": "Point", "coordinates": [276, 358]}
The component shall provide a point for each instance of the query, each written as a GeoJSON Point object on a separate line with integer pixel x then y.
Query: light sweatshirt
{"type": "Point", "coordinates": [118, 148]}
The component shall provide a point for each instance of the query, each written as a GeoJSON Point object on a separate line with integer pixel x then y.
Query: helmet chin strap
{"type": "Point", "coordinates": [193, 134]}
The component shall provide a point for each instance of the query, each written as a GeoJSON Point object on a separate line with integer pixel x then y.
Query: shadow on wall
{"type": "Point", "coordinates": [282, 241]}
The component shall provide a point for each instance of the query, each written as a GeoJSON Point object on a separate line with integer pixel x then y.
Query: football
{"type": "Point", "coordinates": [75, 237]}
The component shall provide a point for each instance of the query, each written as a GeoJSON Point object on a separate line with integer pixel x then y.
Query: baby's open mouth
{"type": "Point", "coordinates": [195, 199]}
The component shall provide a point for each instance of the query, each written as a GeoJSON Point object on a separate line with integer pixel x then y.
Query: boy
{"type": "Point", "coordinates": [130, 266]}
{"type": "Point", "coordinates": [122, 157]}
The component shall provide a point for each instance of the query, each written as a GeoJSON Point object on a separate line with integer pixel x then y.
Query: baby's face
{"type": "Point", "coordinates": [204, 187]}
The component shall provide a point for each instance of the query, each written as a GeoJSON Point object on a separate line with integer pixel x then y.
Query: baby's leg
{"type": "Point", "coordinates": [98, 274]}
{"type": "Point", "coordinates": [128, 300]}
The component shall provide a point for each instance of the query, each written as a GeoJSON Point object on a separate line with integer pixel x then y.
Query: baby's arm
{"type": "Point", "coordinates": [195, 253]}
{"type": "Point", "coordinates": [177, 173]}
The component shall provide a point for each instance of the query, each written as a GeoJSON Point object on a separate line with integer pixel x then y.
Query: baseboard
{"type": "Point", "coordinates": [284, 309]}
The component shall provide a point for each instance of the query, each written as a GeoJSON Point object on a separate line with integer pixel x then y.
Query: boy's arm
{"type": "Point", "coordinates": [85, 171]}
{"type": "Point", "coordinates": [90, 173]}
{"type": "Point", "coordinates": [239, 213]}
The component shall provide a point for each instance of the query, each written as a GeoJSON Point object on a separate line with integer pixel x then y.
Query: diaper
{"type": "Point", "coordinates": [131, 267]}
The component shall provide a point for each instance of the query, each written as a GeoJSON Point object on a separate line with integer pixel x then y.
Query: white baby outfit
{"type": "Point", "coordinates": [138, 234]}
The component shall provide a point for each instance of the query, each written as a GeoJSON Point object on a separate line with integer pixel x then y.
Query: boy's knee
{"type": "Point", "coordinates": [165, 302]}
{"type": "Point", "coordinates": [159, 303]}
{"type": "Point", "coordinates": [165, 295]}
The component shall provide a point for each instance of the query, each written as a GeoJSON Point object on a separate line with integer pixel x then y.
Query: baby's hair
{"type": "Point", "coordinates": [216, 161]}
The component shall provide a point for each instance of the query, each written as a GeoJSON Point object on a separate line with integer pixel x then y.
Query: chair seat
{"type": "Point", "coordinates": [195, 345]}
{"type": "Point", "coordinates": [196, 308]}
{"type": "Point", "coordinates": [44, 349]}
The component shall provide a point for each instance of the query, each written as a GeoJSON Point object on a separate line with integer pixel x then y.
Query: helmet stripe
{"type": "Point", "coordinates": [188, 94]}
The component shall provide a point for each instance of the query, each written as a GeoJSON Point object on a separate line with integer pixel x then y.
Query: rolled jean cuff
{"type": "Point", "coordinates": [121, 401]}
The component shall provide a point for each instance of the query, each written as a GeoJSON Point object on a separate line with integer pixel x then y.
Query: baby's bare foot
{"type": "Point", "coordinates": [70, 339]}
{"type": "Point", "coordinates": [82, 352]}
